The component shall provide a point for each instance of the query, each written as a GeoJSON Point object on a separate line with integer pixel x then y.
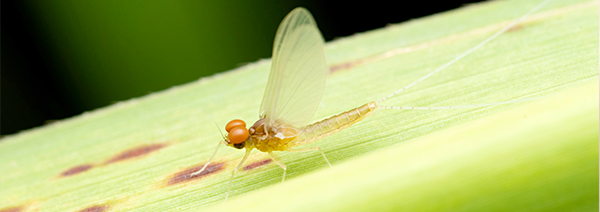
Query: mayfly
{"type": "Point", "coordinates": [294, 90]}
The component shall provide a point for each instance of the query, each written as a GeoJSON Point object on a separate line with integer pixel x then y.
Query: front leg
{"type": "Point", "coordinates": [235, 170]}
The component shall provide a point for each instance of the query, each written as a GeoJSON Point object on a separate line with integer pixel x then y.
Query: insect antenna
{"type": "Point", "coordinates": [222, 135]}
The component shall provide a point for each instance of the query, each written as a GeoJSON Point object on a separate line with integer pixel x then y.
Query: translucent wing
{"type": "Point", "coordinates": [298, 72]}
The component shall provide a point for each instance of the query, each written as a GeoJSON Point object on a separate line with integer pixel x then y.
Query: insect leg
{"type": "Point", "coordinates": [280, 164]}
{"type": "Point", "coordinates": [312, 149]}
{"type": "Point", "coordinates": [235, 170]}
{"type": "Point", "coordinates": [209, 160]}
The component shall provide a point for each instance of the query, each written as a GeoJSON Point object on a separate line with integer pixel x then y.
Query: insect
{"type": "Point", "coordinates": [294, 90]}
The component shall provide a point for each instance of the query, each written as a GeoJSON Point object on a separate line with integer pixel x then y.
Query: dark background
{"type": "Point", "coordinates": [61, 58]}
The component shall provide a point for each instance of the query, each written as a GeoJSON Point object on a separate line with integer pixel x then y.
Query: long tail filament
{"type": "Point", "coordinates": [489, 39]}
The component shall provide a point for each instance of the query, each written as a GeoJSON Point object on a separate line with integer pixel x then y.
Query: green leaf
{"type": "Point", "coordinates": [540, 155]}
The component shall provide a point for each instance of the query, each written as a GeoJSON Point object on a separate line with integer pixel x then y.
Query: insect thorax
{"type": "Point", "coordinates": [275, 139]}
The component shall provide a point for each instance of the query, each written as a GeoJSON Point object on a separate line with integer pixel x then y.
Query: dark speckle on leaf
{"type": "Point", "coordinates": [257, 164]}
{"type": "Point", "coordinates": [12, 209]}
{"type": "Point", "coordinates": [76, 170]}
{"type": "Point", "coordinates": [97, 208]}
{"type": "Point", "coordinates": [136, 152]}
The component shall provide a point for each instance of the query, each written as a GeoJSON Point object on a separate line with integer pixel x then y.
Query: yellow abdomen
{"type": "Point", "coordinates": [284, 137]}
{"type": "Point", "coordinates": [331, 125]}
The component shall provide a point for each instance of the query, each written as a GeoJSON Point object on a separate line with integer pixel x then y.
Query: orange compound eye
{"type": "Point", "coordinates": [235, 123]}
{"type": "Point", "coordinates": [237, 135]}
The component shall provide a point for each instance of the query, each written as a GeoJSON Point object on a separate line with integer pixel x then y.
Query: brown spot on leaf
{"type": "Point", "coordinates": [97, 208]}
{"type": "Point", "coordinates": [257, 164]}
{"type": "Point", "coordinates": [185, 175]}
{"type": "Point", "coordinates": [516, 28]}
{"type": "Point", "coordinates": [342, 66]}
{"type": "Point", "coordinates": [352, 64]}
{"type": "Point", "coordinates": [13, 209]}
{"type": "Point", "coordinates": [76, 170]}
{"type": "Point", "coordinates": [136, 152]}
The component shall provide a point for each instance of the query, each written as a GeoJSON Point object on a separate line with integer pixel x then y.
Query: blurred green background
{"type": "Point", "coordinates": [63, 57]}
